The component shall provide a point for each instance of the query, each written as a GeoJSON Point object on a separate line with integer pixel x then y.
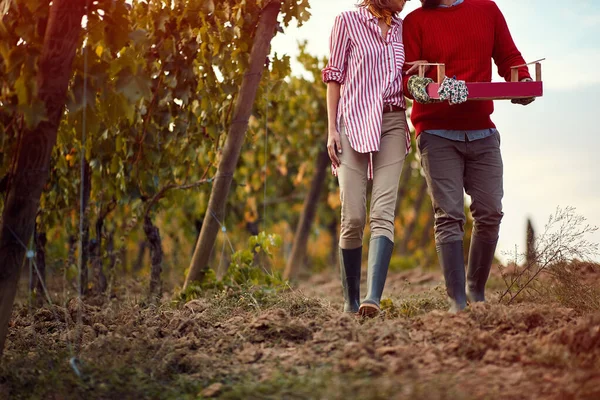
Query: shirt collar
{"type": "Point", "coordinates": [456, 2]}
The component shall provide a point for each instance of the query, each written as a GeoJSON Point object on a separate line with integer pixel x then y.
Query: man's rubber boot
{"type": "Point", "coordinates": [350, 261]}
{"type": "Point", "coordinates": [453, 265]}
{"type": "Point", "coordinates": [481, 256]}
{"type": "Point", "coordinates": [380, 254]}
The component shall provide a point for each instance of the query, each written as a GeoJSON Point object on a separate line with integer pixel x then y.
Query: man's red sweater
{"type": "Point", "coordinates": [465, 37]}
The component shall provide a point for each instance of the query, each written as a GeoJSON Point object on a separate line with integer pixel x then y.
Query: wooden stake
{"type": "Point", "coordinates": [441, 73]}
{"type": "Point", "coordinates": [514, 74]}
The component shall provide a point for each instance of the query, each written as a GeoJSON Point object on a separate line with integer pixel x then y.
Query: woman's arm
{"type": "Point", "coordinates": [334, 74]}
{"type": "Point", "coordinates": [333, 136]}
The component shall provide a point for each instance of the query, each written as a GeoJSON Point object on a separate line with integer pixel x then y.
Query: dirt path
{"type": "Point", "coordinates": [253, 344]}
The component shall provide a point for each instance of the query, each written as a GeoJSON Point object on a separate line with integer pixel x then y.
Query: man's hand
{"type": "Point", "coordinates": [527, 100]}
{"type": "Point", "coordinates": [415, 66]}
{"type": "Point", "coordinates": [334, 146]}
{"type": "Point", "coordinates": [417, 87]}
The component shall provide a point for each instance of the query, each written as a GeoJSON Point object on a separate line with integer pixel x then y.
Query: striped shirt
{"type": "Point", "coordinates": [369, 68]}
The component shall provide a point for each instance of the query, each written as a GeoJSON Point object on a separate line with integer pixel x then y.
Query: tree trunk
{"type": "Point", "coordinates": [408, 230]}
{"type": "Point", "coordinates": [39, 274]}
{"type": "Point", "coordinates": [297, 258]}
{"type": "Point", "coordinates": [156, 255]}
{"type": "Point", "coordinates": [71, 254]}
{"type": "Point", "coordinates": [85, 247]}
{"type": "Point", "coordinates": [334, 233]}
{"type": "Point", "coordinates": [427, 238]}
{"type": "Point", "coordinates": [530, 256]}
{"type": "Point", "coordinates": [112, 259]}
{"type": "Point", "coordinates": [139, 260]}
{"type": "Point", "coordinates": [427, 232]}
{"type": "Point", "coordinates": [61, 40]}
{"type": "Point", "coordinates": [235, 139]}
{"type": "Point", "coordinates": [98, 265]}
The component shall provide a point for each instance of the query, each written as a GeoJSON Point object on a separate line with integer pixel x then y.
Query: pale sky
{"type": "Point", "coordinates": [551, 147]}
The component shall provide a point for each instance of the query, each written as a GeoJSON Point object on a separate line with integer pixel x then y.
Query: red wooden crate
{"type": "Point", "coordinates": [496, 90]}
{"type": "Point", "coordinates": [493, 90]}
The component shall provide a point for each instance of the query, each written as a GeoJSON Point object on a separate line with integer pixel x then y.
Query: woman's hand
{"type": "Point", "coordinates": [334, 146]}
{"type": "Point", "coordinates": [415, 66]}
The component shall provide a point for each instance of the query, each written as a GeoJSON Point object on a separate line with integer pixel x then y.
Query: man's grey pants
{"type": "Point", "coordinates": [451, 166]}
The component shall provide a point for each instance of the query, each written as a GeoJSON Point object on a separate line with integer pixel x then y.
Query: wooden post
{"type": "Point", "coordinates": [538, 72]}
{"type": "Point", "coordinates": [514, 74]}
{"type": "Point", "coordinates": [309, 210]}
{"type": "Point", "coordinates": [441, 73]}
{"type": "Point", "coordinates": [215, 213]}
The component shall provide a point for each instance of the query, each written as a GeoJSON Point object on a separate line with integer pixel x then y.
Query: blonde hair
{"type": "Point", "coordinates": [380, 4]}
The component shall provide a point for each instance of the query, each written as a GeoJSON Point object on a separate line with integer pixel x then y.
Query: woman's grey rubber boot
{"type": "Point", "coordinates": [452, 262]}
{"type": "Point", "coordinates": [350, 261]}
{"type": "Point", "coordinates": [380, 254]}
{"type": "Point", "coordinates": [481, 256]}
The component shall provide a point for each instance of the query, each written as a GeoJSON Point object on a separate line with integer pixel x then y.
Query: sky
{"type": "Point", "coordinates": [551, 148]}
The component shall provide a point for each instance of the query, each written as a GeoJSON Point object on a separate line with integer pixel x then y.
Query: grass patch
{"type": "Point", "coordinates": [415, 305]}
{"type": "Point", "coordinates": [48, 375]}
{"type": "Point", "coordinates": [326, 384]}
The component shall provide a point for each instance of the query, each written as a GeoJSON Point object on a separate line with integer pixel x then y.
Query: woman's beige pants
{"type": "Point", "coordinates": [352, 177]}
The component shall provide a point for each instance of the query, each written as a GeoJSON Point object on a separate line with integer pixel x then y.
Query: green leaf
{"type": "Point", "coordinates": [133, 87]}
{"type": "Point", "coordinates": [22, 89]}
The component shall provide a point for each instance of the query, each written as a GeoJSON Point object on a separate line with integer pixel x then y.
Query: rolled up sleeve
{"type": "Point", "coordinates": [338, 46]}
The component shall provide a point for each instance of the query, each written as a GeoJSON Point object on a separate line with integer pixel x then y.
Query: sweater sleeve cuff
{"type": "Point", "coordinates": [524, 73]}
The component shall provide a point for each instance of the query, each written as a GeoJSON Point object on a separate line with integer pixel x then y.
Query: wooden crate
{"type": "Point", "coordinates": [493, 90]}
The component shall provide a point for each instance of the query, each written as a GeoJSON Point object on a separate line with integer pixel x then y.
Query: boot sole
{"type": "Point", "coordinates": [368, 310]}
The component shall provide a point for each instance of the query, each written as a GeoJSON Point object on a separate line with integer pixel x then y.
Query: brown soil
{"type": "Point", "coordinates": [296, 344]}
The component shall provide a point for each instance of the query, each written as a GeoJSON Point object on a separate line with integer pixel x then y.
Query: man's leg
{"type": "Point", "coordinates": [352, 178]}
{"type": "Point", "coordinates": [443, 162]}
{"type": "Point", "coordinates": [387, 167]}
{"type": "Point", "coordinates": [483, 182]}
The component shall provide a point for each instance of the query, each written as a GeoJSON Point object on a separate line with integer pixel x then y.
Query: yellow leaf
{"type": "Point", "coordinates": [99, 50]}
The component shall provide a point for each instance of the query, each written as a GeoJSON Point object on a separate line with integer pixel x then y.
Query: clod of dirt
{"type": "Point", "coordinates": [390, 350]}
{"type": "Point", "coordinates": [197, 306]}
{"type": "Point", "coordinates": [100, 329]}
{"type": "Point", "coordinates": [77, 306]}
{"type": "Point", "coordinates": [250, 354]}
{"type": "Point", "coordinates": [581, 341]}
{"type": "Point", "coordinates": [276, 324]}
{"type": "Point", "coordinates": [212, 390]}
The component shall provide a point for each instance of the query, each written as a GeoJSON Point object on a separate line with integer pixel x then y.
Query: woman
{"type": "Point", "coordinates": [368, 139]}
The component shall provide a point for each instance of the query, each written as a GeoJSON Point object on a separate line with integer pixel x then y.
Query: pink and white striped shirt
{"type": "Point", "coordinates": [369, 68]}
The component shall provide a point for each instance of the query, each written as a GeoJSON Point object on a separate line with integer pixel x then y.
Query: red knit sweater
{"type": "Point", "coordinates": [465, 37]}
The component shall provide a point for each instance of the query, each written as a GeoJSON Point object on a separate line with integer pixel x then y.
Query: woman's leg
{"type": "Point", "coordinates": [387, 167]}
{"type": "Point", "coordinates": [352, 177]}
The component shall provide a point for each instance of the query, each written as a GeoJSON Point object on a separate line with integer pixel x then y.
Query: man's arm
{"type": "Point", "coordinates": [506, 54]}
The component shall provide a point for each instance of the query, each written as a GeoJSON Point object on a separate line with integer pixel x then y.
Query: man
{"type": "Point", "coordinates": [459, 144]}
